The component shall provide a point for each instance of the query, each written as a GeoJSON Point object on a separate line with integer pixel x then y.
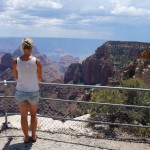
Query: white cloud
{"type": "Point", "coordinates": [22, 20]}
{"type": "Point", "coordinates": [4, 17]}
{"type": "Point", "coordinates": [28, 4]}
{"type": "Point", "coordinates": [101, 7]}
{"type": "Point", "coordinates": [122, 9]}
{"type": "Point", "coordinates": [48, 4]}
{"type": "Point", "coordinates": [41, 22]}
{"type": "Point", "coordinates": [97, 20]}
{"type": "Point", "coordinates": [73, 18]}
{"type": "Point", "coordinates": [131, 11]}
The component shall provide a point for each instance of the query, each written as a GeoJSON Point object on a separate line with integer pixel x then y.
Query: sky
{"type": "Point", "coordinates": [127, 20]}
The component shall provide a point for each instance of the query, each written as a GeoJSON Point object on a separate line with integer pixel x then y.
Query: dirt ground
{"type": "Point", "coordinates": [58, 135]}
{"type": "Point", "coordinates": [12, 139]}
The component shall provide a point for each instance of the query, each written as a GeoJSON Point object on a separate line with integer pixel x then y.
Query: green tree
{"type": "Point", "coordinates": [136, 98]}
{"type": "Point", "coordinates": [106, 112]}
{"type": "Point", "coordinates": [122, 114]}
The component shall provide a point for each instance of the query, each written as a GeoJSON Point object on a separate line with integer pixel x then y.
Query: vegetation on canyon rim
{"type": "Point", "coordinates": [119, 114]}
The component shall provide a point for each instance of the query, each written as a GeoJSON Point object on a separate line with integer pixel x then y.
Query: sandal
{"type": "Point", "coordinates": [34, 140]}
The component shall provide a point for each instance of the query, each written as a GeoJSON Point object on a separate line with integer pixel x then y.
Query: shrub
{"type": "Point", "coordinates": [122, 114]}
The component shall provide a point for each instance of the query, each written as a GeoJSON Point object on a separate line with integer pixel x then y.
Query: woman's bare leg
{"type": "Point", "coordinates": [24, 120]}
{"type": "Point", "coordinates": [33, 111]}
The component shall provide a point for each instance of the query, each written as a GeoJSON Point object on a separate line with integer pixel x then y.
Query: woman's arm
{"type": "Point", "coordinates": [39, 70]}
{"type": "Point", "coordinates": [15, 72]}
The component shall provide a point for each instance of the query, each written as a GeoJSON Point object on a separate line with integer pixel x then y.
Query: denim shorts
{"type": "Point", "coordinates": [24, 97]}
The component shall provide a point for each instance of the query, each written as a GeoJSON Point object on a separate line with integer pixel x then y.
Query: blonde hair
{"type": "Point", "coordinates": [27, 43]}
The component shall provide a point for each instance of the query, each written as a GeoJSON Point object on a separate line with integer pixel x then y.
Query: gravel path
{"type": "Point", "coordinates": [13, 140]}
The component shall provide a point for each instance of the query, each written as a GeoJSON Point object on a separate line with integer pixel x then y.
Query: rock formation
{"type": "Point", "coordinates": [74, 72]}
{"type": "Point", "coordinates": [146, 75]}
{"type": "Point", "coordinates": [142, 70]}
{"type": "Point", "coordinates": [50, 73]}
{"type": "Point", "coordinates": [1, 55]}
{"type": "Point", "coordinates": [6, 61]}
{"type": "Point", "coordinates": [107, 61]}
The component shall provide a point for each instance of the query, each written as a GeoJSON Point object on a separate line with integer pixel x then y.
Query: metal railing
{"type": "Point", "coordinates": [79, 106]}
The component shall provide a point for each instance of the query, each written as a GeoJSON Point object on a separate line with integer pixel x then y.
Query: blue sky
{"type": "Point", "coordinates": [92, 19]}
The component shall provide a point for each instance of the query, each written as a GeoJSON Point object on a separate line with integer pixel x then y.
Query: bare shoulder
{"type": "Point", "coordinates": [14, 61]}
{"type": "Point", "coordinates": [38, 61]}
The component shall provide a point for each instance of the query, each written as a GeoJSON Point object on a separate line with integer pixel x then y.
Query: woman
{"type": "Point", "coordinates": [27, 71]}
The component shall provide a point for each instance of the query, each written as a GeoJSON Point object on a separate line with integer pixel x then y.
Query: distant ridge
{"type": "Point", "coordinates": [2, 52]}
{"type": "Point", "coordinates": [55, 47]}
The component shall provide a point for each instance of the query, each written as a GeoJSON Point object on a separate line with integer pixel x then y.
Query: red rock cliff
{"type": "Point", "coordinates": [106, 62]}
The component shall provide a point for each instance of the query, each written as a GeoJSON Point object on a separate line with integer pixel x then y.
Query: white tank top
{"type": "Point", "coordinates": [27, 75]}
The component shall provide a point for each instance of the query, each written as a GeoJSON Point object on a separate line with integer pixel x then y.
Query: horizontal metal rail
{"type": "Point", "coordinates": [96, 103]}
{"type": "Point", "coordinates": [84, 102]}
{"type": "Point", "coordinates": [96, 87]}
{"type": "Point", "coordinates": [7, 97]}
{"type": "Point", "coordinates": [86, 86]}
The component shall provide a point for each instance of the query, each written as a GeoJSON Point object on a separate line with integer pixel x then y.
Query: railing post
{"type": "Point", "coordinates": [5, 124]}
